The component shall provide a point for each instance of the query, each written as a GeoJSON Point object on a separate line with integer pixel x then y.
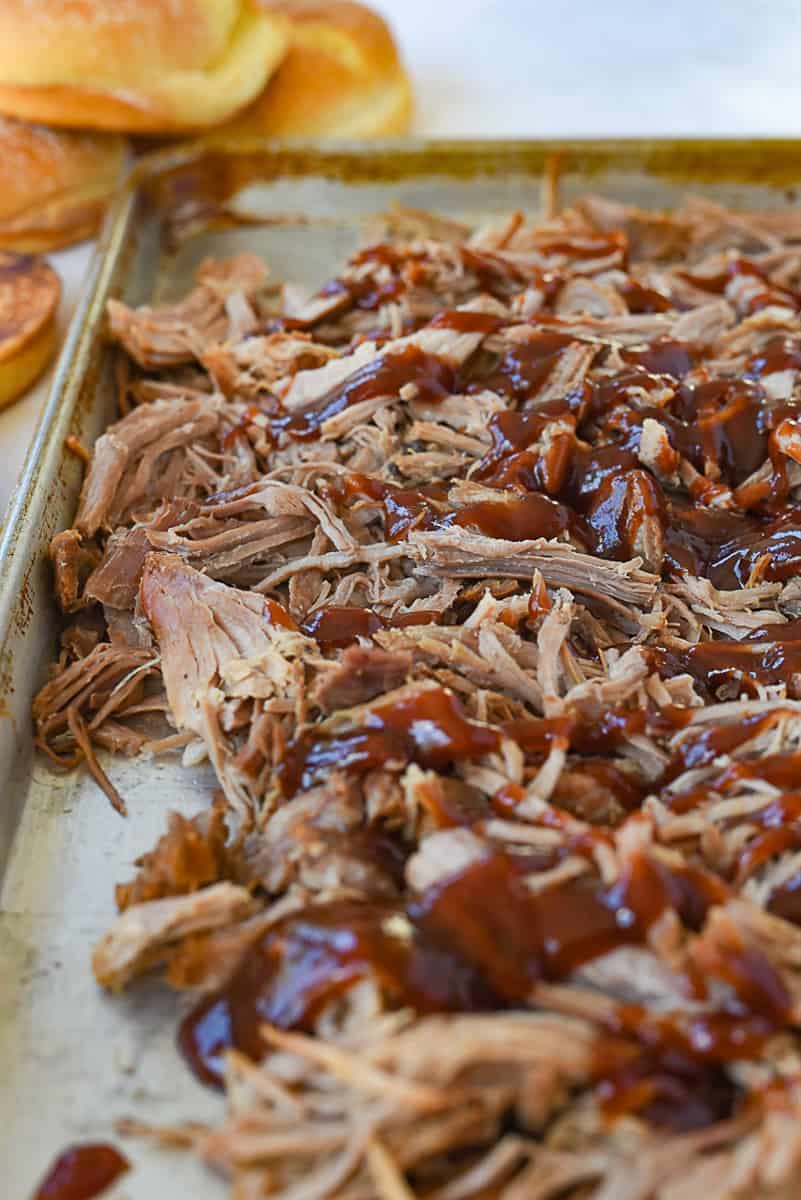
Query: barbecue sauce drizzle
{"type": "Point", "coordinates": [450, 950]}
{"type": "Point", "coordinates": [82, 1172]}
{"type": "Point", "coordinates": [385, 375]}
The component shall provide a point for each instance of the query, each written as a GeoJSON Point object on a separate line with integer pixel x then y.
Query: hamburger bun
{"type": "Point", "coordinates": [342, 77]}
{"type": "Point", "coordinates": [29, 296]}
{"type": "Point", "coordinates": [54, 185]}
{"type": "Point", "coordinates": [145, 66]}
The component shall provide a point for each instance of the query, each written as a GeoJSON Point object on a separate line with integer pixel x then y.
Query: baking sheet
{"type": "Point", "coordinates": [73, 1059]}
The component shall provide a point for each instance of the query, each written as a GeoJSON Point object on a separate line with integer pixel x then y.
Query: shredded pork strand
{"type": "Point", "coordinates": [475, 576]}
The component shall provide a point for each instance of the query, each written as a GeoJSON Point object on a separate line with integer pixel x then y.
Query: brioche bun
{"type": "Point", "coordinates": [54, 185]}
{"type": "Point", "coordinates": [145, 66]}
{"type": "Point", "coordinates": [29, 296]}
{"type": "Point", "coordinates": [342, 77]}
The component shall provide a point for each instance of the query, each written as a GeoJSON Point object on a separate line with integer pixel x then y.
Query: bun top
{"type": "Point", "coordinates": [342, 76]}
{"type": "Point", "coordinates": [142, 65]}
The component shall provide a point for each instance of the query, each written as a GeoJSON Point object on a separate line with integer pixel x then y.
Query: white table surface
{"type": "Point", "coordinates": [519, 68]}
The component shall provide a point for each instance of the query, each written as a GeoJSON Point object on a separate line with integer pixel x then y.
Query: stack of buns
{"type": "Point", "coordinates": [80, 78]}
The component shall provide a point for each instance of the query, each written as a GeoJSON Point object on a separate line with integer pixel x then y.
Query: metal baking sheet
{"type": "Point", "coordinates": [73, 1059]}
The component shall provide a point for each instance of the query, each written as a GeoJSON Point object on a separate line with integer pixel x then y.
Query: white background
{"type": "Point", "coordinates": [515, 68]}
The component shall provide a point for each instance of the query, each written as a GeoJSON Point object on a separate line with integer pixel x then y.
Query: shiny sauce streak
{"type": "Point", "coordinates": [778, 354]}
{"type": "Point", "coordinates": [362, 290]}
{"type": "Point", "coordinates": [404, 508]}
{"type": "Point", "coordinates": [727, 546]}
{"type": "Point", "coordinates": [761, 295]}
{"type": "Point", "coordinates": [450, 950]}
{"type": "Point", "coordinates": [516, 519]}
{"type": "Point", "coordinates": [82, 1172]}
{"type": "Point", "coordinates": [500, 276]}
{"type": "Point", "coordinates": [429, 727]}
{"type": "Point", "coordinates": [337, 627]}
{"type": "Point", "coordinates": [513, 516]}
{"type": "Point", "coordinates": [644, 300]}
{"type": "Point", "coordinates": [305, 961]}
{"type": "Point", "coordinates": [663, 356]}
{"type": "Point", "coordinates": [277, 615]}
{"type": "Point", "coordinates": [462, 320]}
{"type": "Point", "coordinates": [772, 655]}
{"type": "Point", "coordinates": [432, 376]}
{"type": "Point", "coordinates": [524, 367]}
{"type": "Point", "coordinates": [703, 744]}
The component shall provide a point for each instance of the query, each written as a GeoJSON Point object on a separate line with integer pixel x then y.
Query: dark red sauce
{"type": "Point", "coordinates": [778, 354]}
{"type": "Point", "coordinates": [524, 367]}
{"type": "Point", "coordinates": [769, 294]}
{"type": "Point", "coordinates": [524, 936]}
{"type": "Point", "coordinates": [727, 546]}
{"type": "Point", "coordinates": [620, 508]}
{"type": "Point", "coordinates": [276, 614]}
{"type": "Point", "coordinates": [663, 356]}
{"type": "Point", "coordinates": [465, 321]}
{"type": "Point", "coordinates": [766, 846]}
{"type": "Point", "coordinates": [516, 519]}
{"type": "Point", "coordinates": [365, 292]}
{"type": "Point", "coordinates": [726, 422]}
{"type": "Point", "coordinates": [452, 951]}
{"type": "Point", "coordinates": [642, 299]}
{"type": "Point", "coordinates": [509, 462]}
{"type": "Point", "coordinates": [82, 1172]}
{"type": "Point", "coordinates": [337, 627]}
{"type": "Point", "coordinates": [305, 961]}
{"type": "Point", "coordinates": [785, 901]}
{"type": "Point", "coordinates": [590, 468]}
{"type": "Point", "coordinates": [672, 1071]}
{"type": "Point", "coordinates": [497, 275]}
{"type": "Point", "coordinates": [383, 376]}
{"type": "Point", "coordinates": [238, 430]}
{"type": "Point", "coordinates": [671, 1067]}
{"type": "Point", "coordinates": [599, 735]}
{"type": "Point", "coordinates": [429, 728]}
{"type": "Point", "coordinates": [702, 745]}
{"type": "Point", "coordinates": [404, 508]}
{"type": "Point", "coordinates": [780, 770]}
{"type": "Point", "coordinates": [334, 627]}
{"type": "Point", "coordinates": [772, 656]}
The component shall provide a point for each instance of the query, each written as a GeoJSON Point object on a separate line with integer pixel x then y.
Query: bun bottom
{"type": "Point", "coordinates": [29, 296]}
{"type": "Point", "coordinates": [18, 373]}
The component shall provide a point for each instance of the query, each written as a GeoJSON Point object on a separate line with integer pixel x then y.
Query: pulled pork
{"type": "Point", "coordinates": [475, 577]}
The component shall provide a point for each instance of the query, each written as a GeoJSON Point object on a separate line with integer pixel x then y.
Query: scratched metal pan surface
{"type": "Point", "coordinates": [73, 1060]}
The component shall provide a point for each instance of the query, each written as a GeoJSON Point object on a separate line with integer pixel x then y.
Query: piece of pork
{"type": "Point", "coordinates": [115, 580]}
{"type": "Point", "coordinates": [218, 644]}
{"type": "Point", "coordinates": [459, 553]}
{"type": "Point", "coordinates": [362, 673]}
{"type": "Point", "coordinates": [134, 462]}
{"type": "Point", "coordinates": [143, 935]}
{"type": "Point", "coordinates": [73, 563]}
{"type": "Point", "coordinates": [219, 306]}
{"type": "Point", "coordinates": [452, 345]}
